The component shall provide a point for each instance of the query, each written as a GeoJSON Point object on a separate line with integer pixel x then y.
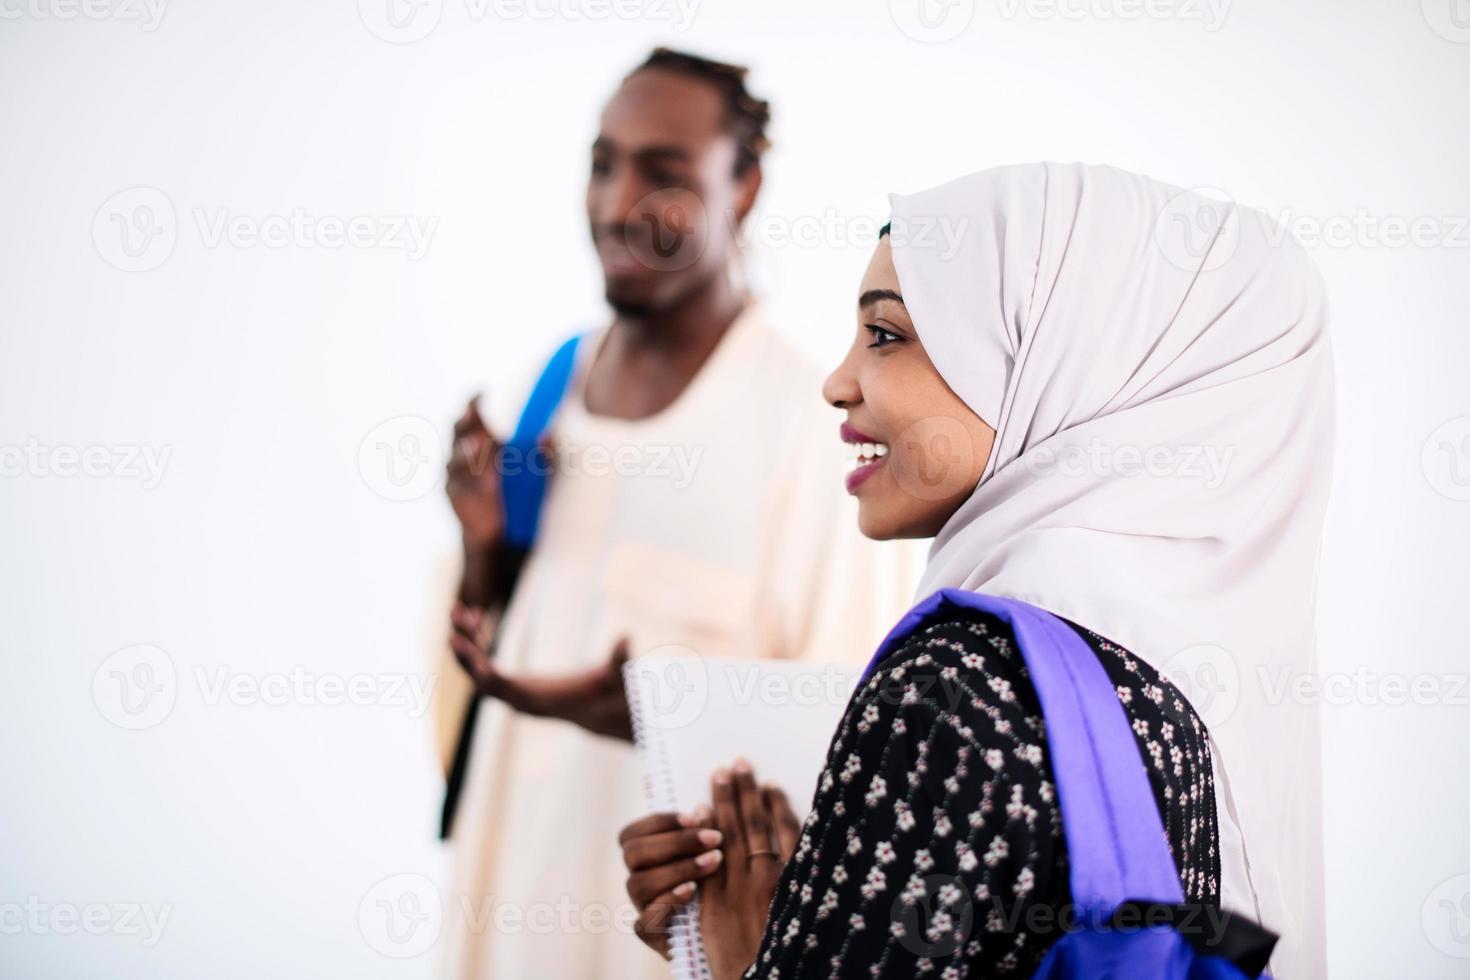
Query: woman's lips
{"type": "Point", "coordinates": [855, 477]}
{"type": "Point", "coordinates": [870, 453]}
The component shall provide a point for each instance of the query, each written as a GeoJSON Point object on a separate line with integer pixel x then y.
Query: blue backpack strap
{"type": "Point", "coordinates": [524, 467]}
{"type": "Point", "coordinates": [1115, 838]}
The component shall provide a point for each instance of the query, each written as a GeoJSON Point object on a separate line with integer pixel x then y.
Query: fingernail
{"type": "Point", "coordinates": [710, 838]}
{"type": "Point", "coordinates": [709, 859]}
{"type": "Point", "coordinates": [689, 819]}
{"type": "Point", "coordinates": [703, 813]}
{"type": "Point", "coordinates": [685, 891]}
{"type": "Point", "coordinates": [721, 777]}
{"type": "Point", "coordinates": [742, 765]}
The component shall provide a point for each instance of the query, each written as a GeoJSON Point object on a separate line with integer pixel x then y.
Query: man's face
{"type": "Point", "coordinates": [663, 199]}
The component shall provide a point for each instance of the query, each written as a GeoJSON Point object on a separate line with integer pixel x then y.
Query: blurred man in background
{"type": "Point", "coordinates": [715, 520]}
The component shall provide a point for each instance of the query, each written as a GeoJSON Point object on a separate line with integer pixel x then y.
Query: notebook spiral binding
{"type": "Point", "coordinates": [686, 949]}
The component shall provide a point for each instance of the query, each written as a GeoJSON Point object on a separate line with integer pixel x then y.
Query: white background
{"type": "Point", "coordinates": [260, 829]}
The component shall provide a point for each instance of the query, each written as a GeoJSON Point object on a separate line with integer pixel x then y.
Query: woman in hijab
{"type": "Point", "coordinates": [1112, 399]}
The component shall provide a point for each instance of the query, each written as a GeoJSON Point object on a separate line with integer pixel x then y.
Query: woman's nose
{"type": "Point", "coordinates": [841, 388]}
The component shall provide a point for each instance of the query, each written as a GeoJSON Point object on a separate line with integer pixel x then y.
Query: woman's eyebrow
{"type": "Point", "coordinates": [874, 295]}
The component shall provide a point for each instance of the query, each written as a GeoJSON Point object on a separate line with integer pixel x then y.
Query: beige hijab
{"type": "Point", "coordinates": [1156, 366]}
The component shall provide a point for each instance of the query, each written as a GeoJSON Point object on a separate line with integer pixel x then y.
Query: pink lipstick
{"type": "Point", "coordinates": [869, 454]}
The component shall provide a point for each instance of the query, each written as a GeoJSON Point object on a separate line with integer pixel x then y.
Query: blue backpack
{"type": "Point", "coordinates": [523, 477]}
{"type": "Point", "coordinates": [524, 471]}
{"type": "Point", "coordinates": [1130, 923]}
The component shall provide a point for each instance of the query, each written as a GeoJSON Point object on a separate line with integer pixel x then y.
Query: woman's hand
{"type": "Point", "coordinates": [593, 699]}
{"type": "Point", "coordinates": [760, 832]}
{"type": "Point", "coordinates": [666, 854]}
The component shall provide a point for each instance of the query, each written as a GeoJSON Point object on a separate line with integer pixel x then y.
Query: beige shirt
{"type": "Point", "coordinates": [719, 524]}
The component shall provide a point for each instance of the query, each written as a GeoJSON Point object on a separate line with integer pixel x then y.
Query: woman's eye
{"type": "Point", "coordinates": [881, 337]}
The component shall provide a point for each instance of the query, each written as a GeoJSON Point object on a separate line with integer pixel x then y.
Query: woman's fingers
{"type": "Point", "coordinates": [727, 816]}
{"type": "Point", "coordinates": [786, 829]}
{"type": "Point", "coordinates": [755, 819]}
{"type": "Point", "coordinates": [648, 851]}
{"type": "Point", "coordinates": [652, 924]}
{"type": "Point", "coordinates": [667, 854]}
{"type": "Point", "coordinates": [644, 886]}
{"type": "Point", "coordinates": [654, 823]}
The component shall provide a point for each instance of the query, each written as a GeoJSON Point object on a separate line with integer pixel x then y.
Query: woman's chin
{"type": "Point", "coordinates": [880, 523]}
{"type": "Point", "coordinates": [895, 522]}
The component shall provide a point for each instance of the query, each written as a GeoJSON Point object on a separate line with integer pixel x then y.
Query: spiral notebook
{"type": "Point", "coordinates": [692, 715]}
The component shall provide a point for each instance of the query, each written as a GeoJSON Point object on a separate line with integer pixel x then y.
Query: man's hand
{"type": "Point", "coordinates": [666, 854]}
{"type": "Point", "coordinates": [760, 833]}
{"type": "Point", "coordinates": [593, 699]}
{"type": "Point", "coordinates": [473, 482]}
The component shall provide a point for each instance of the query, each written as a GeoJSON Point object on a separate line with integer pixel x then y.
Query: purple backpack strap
{"type": "Point", "coordinates": [1115, 839]}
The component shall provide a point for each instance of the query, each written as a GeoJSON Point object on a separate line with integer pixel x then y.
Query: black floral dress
{"type": "Point", "coordinates": [935, 843]}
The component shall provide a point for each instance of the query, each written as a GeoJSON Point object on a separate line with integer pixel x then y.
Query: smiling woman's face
{"type": "Point", "coordinates": [920, 450]}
